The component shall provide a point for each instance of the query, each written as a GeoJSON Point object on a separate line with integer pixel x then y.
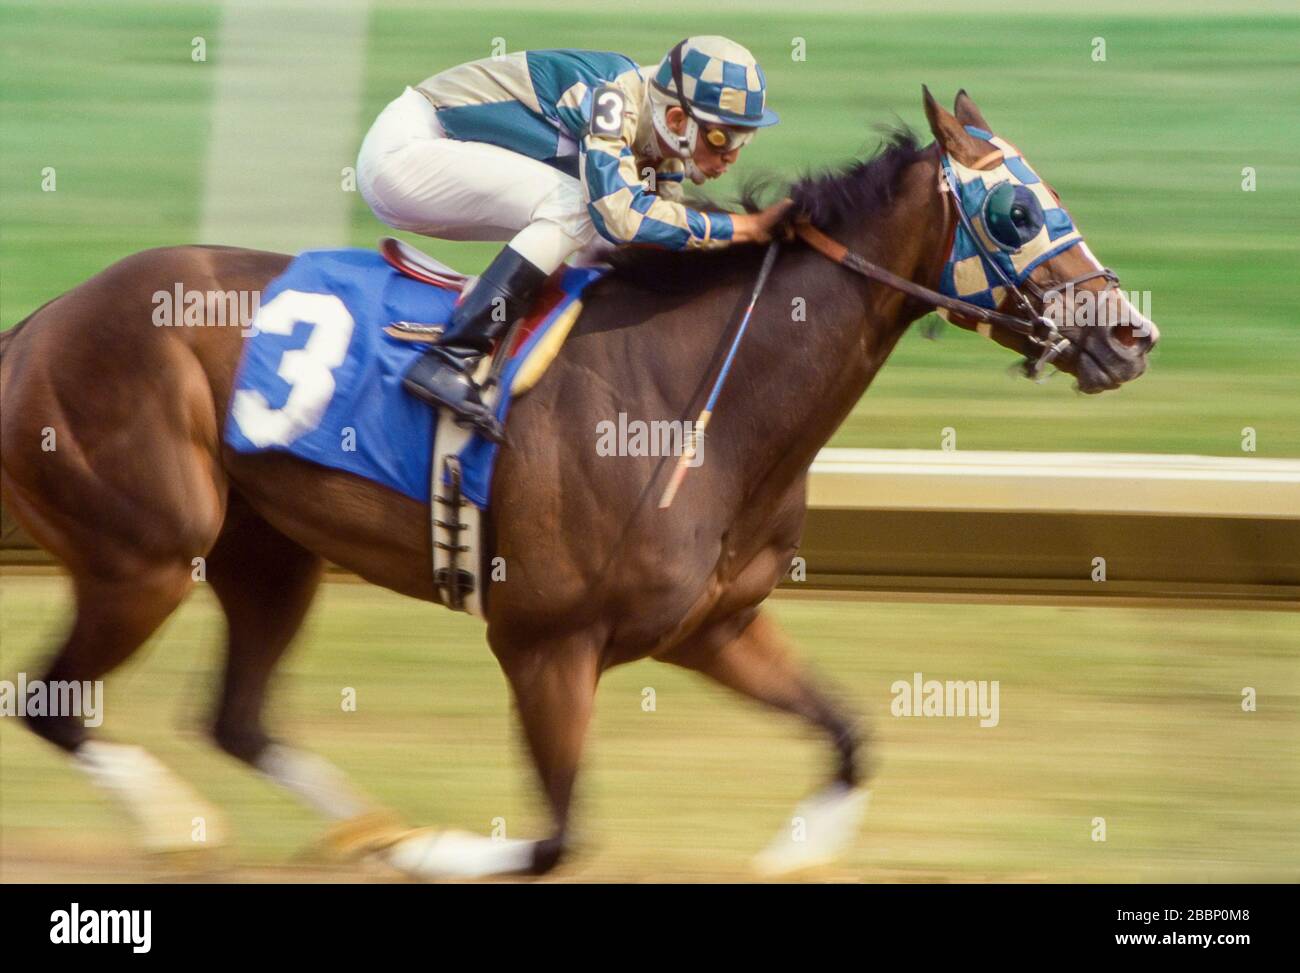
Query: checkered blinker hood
{"type": "Point", "coordinates": [1018, 221]}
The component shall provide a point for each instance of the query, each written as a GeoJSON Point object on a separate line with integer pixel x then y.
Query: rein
{"type": "Point", "coordinates": [1043, 335]}
{"type": "Point", "coordinates": [838, 253]}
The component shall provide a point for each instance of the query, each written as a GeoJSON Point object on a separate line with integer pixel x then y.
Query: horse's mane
{"type": "Point", "coordinates": [856, 192]}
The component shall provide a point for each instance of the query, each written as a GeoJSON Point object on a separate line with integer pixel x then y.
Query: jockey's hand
{"type": "Point", "coordinates": [757, 227]}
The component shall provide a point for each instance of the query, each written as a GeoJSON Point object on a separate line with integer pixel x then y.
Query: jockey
{"type": "Point", "coordinates": [551, 151]}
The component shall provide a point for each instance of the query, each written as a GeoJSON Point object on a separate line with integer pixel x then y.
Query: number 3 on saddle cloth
{"type": "Point", "coordinates": [321, 379]}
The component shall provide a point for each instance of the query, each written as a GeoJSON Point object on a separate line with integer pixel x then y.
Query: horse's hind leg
{"type": "Point", "coordinates": [109, 462]}
{"type": "Point", "coordinates": [266, 583]}
{"type": "Point", "coordinates": [114, 616]}
{"type": "Point", "coordinates": [749, 654]}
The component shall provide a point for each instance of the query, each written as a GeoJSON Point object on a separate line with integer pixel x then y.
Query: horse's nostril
{"type": "Point", "coordinates": [1147, 338]}
{"type": "Point", "coordinates": [1126, 341]}
{"type": "Point", "coordinates": [1143, 329]}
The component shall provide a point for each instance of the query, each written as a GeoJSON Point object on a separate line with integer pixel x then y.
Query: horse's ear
{"type": "Point", "coordinates": [948, 132]}
{"type": "Point", "coordinates": [968, 112]}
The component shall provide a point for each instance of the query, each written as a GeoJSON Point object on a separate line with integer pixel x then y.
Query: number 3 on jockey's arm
{"type": "Point", "coordinates": [607, 106]}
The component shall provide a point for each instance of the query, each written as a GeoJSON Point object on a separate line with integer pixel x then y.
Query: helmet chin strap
{"type": "Point", "coordinates": [695, 174]}
{"type": "Point", "coordinates": [686, 143]}
{"type": "Point", "coordinates": [683, 145]}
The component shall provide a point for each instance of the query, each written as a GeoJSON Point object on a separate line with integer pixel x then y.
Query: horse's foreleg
{"type": "Point", "coordinates": [749, 654]}
{"type": "Point", "coordinates": [554, 684]}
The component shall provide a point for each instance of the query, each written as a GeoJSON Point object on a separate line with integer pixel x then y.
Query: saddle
{"type": "Point", "coordinates": [418, 265]}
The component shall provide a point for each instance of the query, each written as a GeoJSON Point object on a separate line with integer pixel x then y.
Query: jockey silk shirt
{"type": "Point", "coordinates": [541, 105]}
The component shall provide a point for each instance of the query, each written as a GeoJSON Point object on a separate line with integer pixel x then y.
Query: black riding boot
{"type": "Point", "coordinates": [443, 376]}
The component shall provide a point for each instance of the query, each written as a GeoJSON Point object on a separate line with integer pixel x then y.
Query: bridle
{"type": "Point", "coordinates": [1045, 340]}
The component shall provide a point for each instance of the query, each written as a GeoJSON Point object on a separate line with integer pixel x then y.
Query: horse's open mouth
{"type": "Point", "coordinates": [1092, 376]}
{"type": "Point", "coordinates": [1108, 359]}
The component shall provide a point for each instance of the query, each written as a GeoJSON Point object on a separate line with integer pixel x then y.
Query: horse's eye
{"type": "Point", "coordinates": [1012, 215]}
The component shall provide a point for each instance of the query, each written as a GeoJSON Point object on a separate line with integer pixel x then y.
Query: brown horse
{"type": "Point", "coordinates": [139, 485]}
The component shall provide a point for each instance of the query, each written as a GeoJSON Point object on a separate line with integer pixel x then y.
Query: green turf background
{"type": "Point", "coordinates": [1147, 149]}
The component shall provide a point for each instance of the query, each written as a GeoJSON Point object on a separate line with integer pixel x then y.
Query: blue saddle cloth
{"type": "Point", "coordinates": [320, 379]}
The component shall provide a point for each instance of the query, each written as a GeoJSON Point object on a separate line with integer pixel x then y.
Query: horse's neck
{"type": "Point", "coordinates": [851, 329]}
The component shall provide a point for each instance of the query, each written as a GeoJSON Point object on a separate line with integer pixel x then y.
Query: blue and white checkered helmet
{"type": "Point", "coordinates": [720, 82]}
{"type": "Point", "coordinates": [719, 85]}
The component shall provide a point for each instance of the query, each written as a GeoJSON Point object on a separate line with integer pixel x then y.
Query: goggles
{"type": "Point", "coordinates": [723, 138]}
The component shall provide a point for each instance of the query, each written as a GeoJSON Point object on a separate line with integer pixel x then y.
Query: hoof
{"type": "Point", "coordinates": [365, 834]}
{"type": "Point", "coordinates": [822, 828]}
{"type": "Point", "coordinates": [429, 854]}
{"type": "Point", "coordinates": [546, 855]}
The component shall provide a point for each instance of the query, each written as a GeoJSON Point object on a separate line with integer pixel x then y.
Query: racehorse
{"type": "Point", "coordinates": [140, 483]}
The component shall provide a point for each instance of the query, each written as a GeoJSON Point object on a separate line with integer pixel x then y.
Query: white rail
{"type": "Point", "coordinates": [1093, 483]}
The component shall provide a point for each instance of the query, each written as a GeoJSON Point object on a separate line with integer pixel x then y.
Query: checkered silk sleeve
{"type": "Point", "coordinates": [669, 178]}
{"type": "Point", "coordinates": [621, 207]}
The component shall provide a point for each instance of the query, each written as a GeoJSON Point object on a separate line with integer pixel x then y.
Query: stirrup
{"type": "Point", "coordinates": [444, 380]}
{"type": "Point", "coordinates": [485, 422]}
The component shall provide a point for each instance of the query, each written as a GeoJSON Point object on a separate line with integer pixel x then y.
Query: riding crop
{"type": "Point", "coordinates": [697, 433]}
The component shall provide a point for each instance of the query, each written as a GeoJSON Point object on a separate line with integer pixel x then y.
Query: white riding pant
{"type": "Point", "coordinates": [414, 177]}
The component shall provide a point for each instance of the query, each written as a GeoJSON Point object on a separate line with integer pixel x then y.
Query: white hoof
{"type": "Point", "coordinates": [171, 815]}
{"type": "Point", "coordinates": [429, 854]}
{"type": "Point", "coordinates": [822, 827]}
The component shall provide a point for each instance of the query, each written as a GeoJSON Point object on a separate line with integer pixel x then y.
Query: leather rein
{"type": "Point", "coordinates": [1042, 334]}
